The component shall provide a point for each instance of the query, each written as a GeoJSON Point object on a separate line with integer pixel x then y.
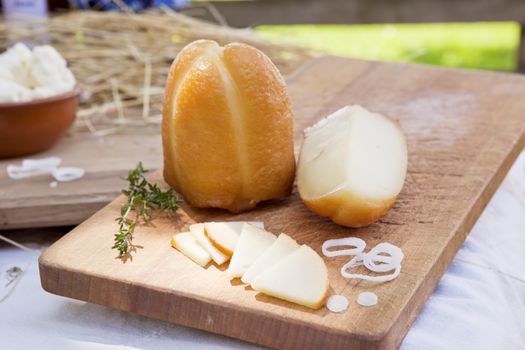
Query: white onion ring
{"type": "Point", "coordinates": [49, 165]}
{"type": "Point", "coordinates": [65, 174]}
{"type": "Point", "coordinates": [33, 167]}
{"type": "Point", "coordinates": [388, 263]}
{"type": "Point", "coordinates": [370, 259]}
{"type": "Point", "coordinates": [359, 259]}
{"type": "Point", "coordinates": [20, 172]}
{"type": "Point", "coordinates": [42, 163]}
{"type": "Point", "coordinates": [358, 243]}
{"type": "Point", "coordinates": [376, 279]}
{"type": "Point", "coordinates": [355, 261]}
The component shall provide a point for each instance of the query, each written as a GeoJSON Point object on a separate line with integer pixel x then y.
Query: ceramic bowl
{"type": "Point", "coordinates": [34, 126]}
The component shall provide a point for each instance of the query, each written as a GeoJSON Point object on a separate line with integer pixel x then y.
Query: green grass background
{"type": "Point", "coordinates": [483, 45]}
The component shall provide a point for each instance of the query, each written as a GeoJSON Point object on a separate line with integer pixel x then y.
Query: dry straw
{"type": "Point", "coordinates": [121, 60]}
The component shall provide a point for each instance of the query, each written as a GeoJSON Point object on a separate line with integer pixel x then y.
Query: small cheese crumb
{"type": "Point", "coordinates": [367, 299]}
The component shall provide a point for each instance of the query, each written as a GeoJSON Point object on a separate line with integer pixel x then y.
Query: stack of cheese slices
{"type": "Point", "coordinates": [274, 265]}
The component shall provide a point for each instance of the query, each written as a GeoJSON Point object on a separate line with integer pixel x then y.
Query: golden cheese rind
{"type": "Point", "coordinates": [227, 127]}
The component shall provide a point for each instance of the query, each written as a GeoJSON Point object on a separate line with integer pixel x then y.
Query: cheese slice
{"type": "Point", "coordinates": [301, 278]}
{"type": "Point", "coordinates": [280, 248]}
{"type": "Point", "coordinates": [252, 243]}
{"type": "Point", "coordinates": [224, 235]}
{"type": "Point", "coordinates": [186, 243]}
{"type": "Point", "coordinates": [198, 231]}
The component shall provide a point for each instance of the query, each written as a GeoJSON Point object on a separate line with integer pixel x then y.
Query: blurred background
{"type": "Point", "coordinates": [484, 34]}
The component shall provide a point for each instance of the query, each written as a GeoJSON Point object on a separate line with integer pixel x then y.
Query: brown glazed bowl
{"type": "Point", "coordinates": [34, 126]}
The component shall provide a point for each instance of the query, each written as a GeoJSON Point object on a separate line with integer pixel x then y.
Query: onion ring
{"type": "Point", "coordinates": [358, 243]}
{"type": "Point", "coordinates": [371, 259]}
{"type": "Point", "coordinates": [388, 263]}
{"type": "Point", "coordinates": [376, 279]}
{"type": "Point", "coordinates": [64, 174]}
{"type": "Point", "coordinates": [33, 167]}
{"type": "Point", "coordinates": [49, 165]}
{"type": "Point", "coordinates": [42, 163]}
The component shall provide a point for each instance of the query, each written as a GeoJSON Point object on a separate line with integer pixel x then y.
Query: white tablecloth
{"type": "Point", "coordinates": [478, 304]}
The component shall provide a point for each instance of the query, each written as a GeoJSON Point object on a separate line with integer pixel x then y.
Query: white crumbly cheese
{"type": "Point", "coordinates": [28, 75]}
{"type": "Point", "coordinates": [49, 70]}
{"type": "Point", "coordinates": [16, 63]}
{"type": "Point", "coordinates": [5, 73]}
{"type": "Point", "coordinates": [43, 92]}
{"type": "Point", "coordinates": [11, 91]}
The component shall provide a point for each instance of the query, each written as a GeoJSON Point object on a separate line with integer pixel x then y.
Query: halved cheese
{"type": "Point", "coordinates": [280, 248]}
{"type": "Point", "coordinates": [301, 277]}
{"type": "Point", "coordinates": [224, 235]}
{"type": "Point", "coordinates": [186, 243]}
{"type": "Point", "coordinates": [198, 231]}
{"type": "Point", "coordinates": [352, 166]}
{"type": "Point", "coordinates": [252, 242]}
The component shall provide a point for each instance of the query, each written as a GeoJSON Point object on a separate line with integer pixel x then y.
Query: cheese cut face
{"type": "Point", "coordinates": [218, 257]}
{"type": "Point", "coordinates": [301, 278]}
{"type": "Point", "coordinates": [281, 247]}
{"type": "Point", "coordinates": [352, 166]}
{"type": "Point", "coordinates": [186, 243]}
{"type": "Point", "coordinates": [224, 235]}
{"type": "Point", "coordinates": [252, 243]}
{"type": "Point", "coordinates": [198, 231]}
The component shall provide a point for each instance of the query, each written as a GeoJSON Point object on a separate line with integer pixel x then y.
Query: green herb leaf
{"type": "Point", "coordinates": [143, 197]}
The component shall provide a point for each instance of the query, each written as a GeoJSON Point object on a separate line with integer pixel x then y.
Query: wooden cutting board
{"type": "Point", "coordinates": [464, 130]}
{"type": "Point", "coordinates": [33, 203]}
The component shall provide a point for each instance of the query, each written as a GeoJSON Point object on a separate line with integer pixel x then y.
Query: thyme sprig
{"type": "Point", "coordinates": [143, 198]}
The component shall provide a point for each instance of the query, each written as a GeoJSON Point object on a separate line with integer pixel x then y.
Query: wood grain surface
{"type": "Point", "coordinates": [464, 130]}
{"type": "Point", "coordinates": [32, 202]}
